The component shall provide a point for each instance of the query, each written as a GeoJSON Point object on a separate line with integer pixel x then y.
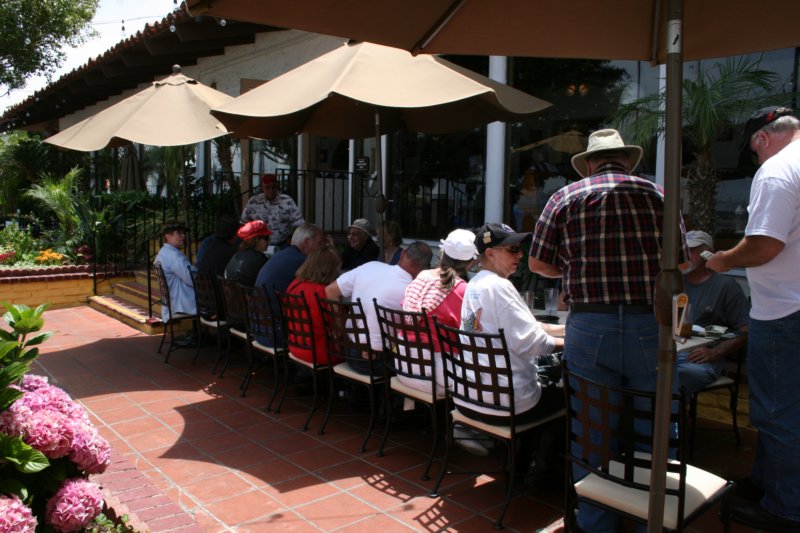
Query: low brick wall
{"type": "Point", "coordinates": [61, 286]}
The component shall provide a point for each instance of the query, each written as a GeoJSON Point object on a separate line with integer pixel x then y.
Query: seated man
{"type": "Point", "coordinates": [280, 270]}
{"type": "Point", "coordinates": [217, 249]}
{"type": "Point", "coordinates": [176, 270]}
{"type": "Point", "coordinates": [385, 283]}
{"type": "Point", "coordinates": [715, 299]}
{"type": "Point", "coordinates": [360, 247]}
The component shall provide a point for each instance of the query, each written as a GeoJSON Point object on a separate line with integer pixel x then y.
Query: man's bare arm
{"type": "Point", "coordinates": [545, 269]}
{"type": "Point", "coordinates": [752, 251]}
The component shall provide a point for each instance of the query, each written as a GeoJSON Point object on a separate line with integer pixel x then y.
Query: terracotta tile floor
{"type": "Point", "coordinates": [234, 467]}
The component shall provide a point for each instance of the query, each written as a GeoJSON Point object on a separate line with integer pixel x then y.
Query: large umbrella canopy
{"type": "Point", "coordinates": [340, 93]}
{"type": "Point", "coordinates": [593, 29]}
{"type": "Point", "coordinates": [171, 112]}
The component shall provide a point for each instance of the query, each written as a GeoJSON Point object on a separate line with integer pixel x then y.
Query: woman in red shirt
{"type": "Point", "coordinates": [318, 270]}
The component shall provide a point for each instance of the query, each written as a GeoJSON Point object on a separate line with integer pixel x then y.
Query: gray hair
{"type": "Point", "coordinates": [420, 254]}
{"type": "Point", "coordinates": [304, 231]}
{"type": "Point", "coordinates": [782, 124]}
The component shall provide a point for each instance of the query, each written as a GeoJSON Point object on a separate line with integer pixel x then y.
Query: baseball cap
{"type": "Point", "coordinates": [268, 178]}
{"type": "Point", "coordinates": [459, 245]}
{"type": "Point", "coordinates": [253, 229]}
{"type": "Point", "coordinates": [364, 225]}
{"type": "Point", "coordinates": [492, 235]}
{"type": "Point", "coordinates": [761, 118]}
{"type": "Point", "coordinates": [699, 238]}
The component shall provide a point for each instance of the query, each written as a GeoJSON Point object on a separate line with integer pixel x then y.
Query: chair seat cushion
{"type": "Point", "coordinates": [504, 431]}
{"type": "Point", "coordinates": [701, 486]}
{"type": "Point", "coordinates": [720, 383]}
{"type": "Point", "coordinates": [263, 348]}
{"type": "Point", "coordinates": [213, 323]}
{"type": "Point", "coordinates": [411, 392]}
{"type": "Point", "coordinates": [345, 370]}
{"type": "Point", "coordinates": [303, 362]}
{"type": "Point", "coordinates": [238, 333]}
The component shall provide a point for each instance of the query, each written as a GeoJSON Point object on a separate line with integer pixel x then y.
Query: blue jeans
{"type": "Point", "coordinates": [616, 350]}
{"type": "Point", "coordinates": [773, 374]}
{"type": "Point", "coordinates": [695, 376]}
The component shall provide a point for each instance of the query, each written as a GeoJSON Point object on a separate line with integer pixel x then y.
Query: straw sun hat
{"type": "Point", "coordinates": [605, 141]}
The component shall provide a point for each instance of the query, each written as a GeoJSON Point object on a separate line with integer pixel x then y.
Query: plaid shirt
{"type": "Point", "coordinates": [604, 234]}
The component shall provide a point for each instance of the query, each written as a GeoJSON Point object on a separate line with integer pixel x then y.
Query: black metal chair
{"type": "Point", "coordinates": [298, 334]}
{"type": "Point", "coordinates": [235, 316]}
{"type": "Point", "coordinates": [174, 318]}
{"type": "Point", "coordinates": [608, 438]}
{"type": "Point", "coordinates": [408, 337]}
{"type": "Point", "coordinates": [210, 310]}
{"type": "Point", "coordinates": [263, 323]}
{"type": "Point", "coordinates": [730, 379]}
{"type": "Point", "coordinates": [346, 330]}
{"type": "Point", "coordinates": [477, 375]}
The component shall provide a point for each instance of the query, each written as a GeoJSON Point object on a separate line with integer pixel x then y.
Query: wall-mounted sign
{"type": "Point", "coordinates": [362, 164]}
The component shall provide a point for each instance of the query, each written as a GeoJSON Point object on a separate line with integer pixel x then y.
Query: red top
{"type": "Point", "coordinates": [309, 290]}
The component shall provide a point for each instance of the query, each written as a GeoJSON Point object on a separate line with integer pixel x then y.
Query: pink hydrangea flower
{"type": "Point", "coordinates": [76, 503]}
{"type": "Point", "coordinates": [31, 382]}
{"type": "Point", "coordinates": [90, 452]}
{"type": "Point", "coordinates": [50, 432]}
{"type": "Point", "coordinates": [15, 516]}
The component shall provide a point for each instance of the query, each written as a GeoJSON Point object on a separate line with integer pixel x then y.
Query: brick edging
{"type": "Point", "coordinates": [129, 492]}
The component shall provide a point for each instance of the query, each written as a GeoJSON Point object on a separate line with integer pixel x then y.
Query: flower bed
{"type": "Point", "coordinates": [48, 444]}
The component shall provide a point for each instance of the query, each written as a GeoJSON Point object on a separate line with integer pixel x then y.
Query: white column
{"type": "Point", "coordinates": [662, 86]}
{"type": "Point", "coordinates": [351, 168]}
{"type": "Point", "coordinates": [495, 152]}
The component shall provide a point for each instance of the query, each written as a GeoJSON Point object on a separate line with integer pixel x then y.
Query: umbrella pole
{"type": "Point", "coordinates": [670, 281]}
{"type": "Point", "coordinates": [380, 203]}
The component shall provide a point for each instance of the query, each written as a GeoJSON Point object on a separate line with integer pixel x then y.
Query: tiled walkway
{"type": "Point", "coordinates": [221, 463]}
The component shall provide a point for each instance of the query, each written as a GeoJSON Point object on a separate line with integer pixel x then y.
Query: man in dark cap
{"type": "Point", "coordinates": [770, 251]}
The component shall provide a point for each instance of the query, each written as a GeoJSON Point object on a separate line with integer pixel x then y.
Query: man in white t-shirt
{"type": "Point", "coordinates": [770, 250]}
{"type": "Point", "coordinates": [385, 283]}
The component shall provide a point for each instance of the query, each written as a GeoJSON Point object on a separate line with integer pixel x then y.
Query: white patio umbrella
{"type": "Point", "coordinates": [173, 111]}
{"type": "Point", "coordinates": [569, 142]}
{"type": "Point", "coordinates": [361, 90]}
{"type": "Point", "coordinates": [649, 30]}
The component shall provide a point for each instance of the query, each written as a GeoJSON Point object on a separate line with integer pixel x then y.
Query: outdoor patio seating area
{"type": "Point", "coordinates": [213, 461]}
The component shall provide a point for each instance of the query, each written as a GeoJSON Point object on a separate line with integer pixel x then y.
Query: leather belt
{"type": "Point", "coordinates": [613, 309]}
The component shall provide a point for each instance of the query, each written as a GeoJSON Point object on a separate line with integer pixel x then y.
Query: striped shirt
{"type": "Point", "coordinates": [604, 233]}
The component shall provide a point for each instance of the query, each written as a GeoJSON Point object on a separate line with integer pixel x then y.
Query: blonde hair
{"type": "Point", "coordinates": [321, 266]}
{"type": "Point", "coordinates": [450, 269]}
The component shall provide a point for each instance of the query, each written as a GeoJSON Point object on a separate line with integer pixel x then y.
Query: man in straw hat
{"type": "Point", "coordinates": [602, 235]}
{"type": "Point", "coordinates": [770, 250]}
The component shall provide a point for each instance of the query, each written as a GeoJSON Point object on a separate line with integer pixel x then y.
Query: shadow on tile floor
{"type": "Point", "coordinates": [235, 467]}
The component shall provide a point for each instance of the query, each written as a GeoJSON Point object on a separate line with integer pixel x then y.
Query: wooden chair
{"type": "Point", "coordinates": [210, 309]}
{"type": "Point", "coordinates": [608, 439]}
{"type": "Point", "coordinates": [346, 331]}
{"type": "Point", "coordinates": [730, 378]}
{"type": "Point", "coordinates": [236, 317]}
{"type": "Point", "coordinates": [174, 318]}
{"type": "Point", "coordinates": [407, 337]}
{"type": "Point", "coordinates": [468, 355]}
{"type": "Point", "coordinates": [298, 333]}
{"type": "Point", "coordinates": [263, 323]}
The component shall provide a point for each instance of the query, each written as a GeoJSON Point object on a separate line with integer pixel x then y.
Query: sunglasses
{"type": "Point", "coordinates": [511, 249]}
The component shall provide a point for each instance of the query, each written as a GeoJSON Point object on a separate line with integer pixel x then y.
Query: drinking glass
{"type": "Point", "coordinates": [551, 301]}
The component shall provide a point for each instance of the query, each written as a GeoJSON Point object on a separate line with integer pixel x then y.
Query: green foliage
{"type": "Point", "coordinates": [76, 215]}
{"type": "Point", "coordinates": [718, 99]}
{"type": "Point", "coordinates": [103, 524]}
{"type": "Point", "coordinates": [34, 33]}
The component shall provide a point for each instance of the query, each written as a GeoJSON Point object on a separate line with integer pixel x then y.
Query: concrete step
{"type": "Point", "coordinates": [129, 313]}
{"type": "Point", "coordinates": [136, 293]}
{"type": "Point", "coordinates": [141, 277]}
